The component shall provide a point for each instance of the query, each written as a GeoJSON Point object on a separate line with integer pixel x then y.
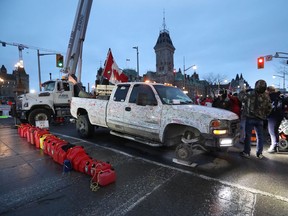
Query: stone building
{"type": "Point", "coordinates": [15, 83]}
{"type": "Point", "coordinates": [165, 70]}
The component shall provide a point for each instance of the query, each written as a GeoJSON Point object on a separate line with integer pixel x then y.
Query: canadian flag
{"type": "Point", "coordinates": [111, 70]}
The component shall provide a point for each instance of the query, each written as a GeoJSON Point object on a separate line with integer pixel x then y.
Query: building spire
{"type": "Point", "coordinates": [164, 23]}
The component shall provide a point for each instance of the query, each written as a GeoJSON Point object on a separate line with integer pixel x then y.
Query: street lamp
{"type": "Point", "coordinates": [127, 60]}
{"type": "Point", "coordinates": [19, 64]}
{"type": "Point", "coordinates": [194, 67]}
{"type": "Point", "coordinates": [136, 47]}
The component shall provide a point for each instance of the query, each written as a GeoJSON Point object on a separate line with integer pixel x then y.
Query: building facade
{"type": "Point", "coordinates": [165, 69]}
{"type": "Point", "coordinates": [13, 84]}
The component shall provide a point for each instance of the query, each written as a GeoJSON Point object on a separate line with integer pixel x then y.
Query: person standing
{"type": "Point", "coordinates": [256, 108]}
{"type": "Point", "coordinates": [208, 101]}
{"type": "Point", "coordinates": [275, 117]}
{"type": "Point", "coordinates": [223, 102]}
{"type": "Point", "coordinates": [235, 103]}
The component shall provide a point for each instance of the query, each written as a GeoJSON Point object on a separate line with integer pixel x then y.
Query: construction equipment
{"type": "Point", "coordinates": [54, 102]}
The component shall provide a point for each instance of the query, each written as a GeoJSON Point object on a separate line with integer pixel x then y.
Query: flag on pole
{"type": "Point", "coordinates": [111, 70]}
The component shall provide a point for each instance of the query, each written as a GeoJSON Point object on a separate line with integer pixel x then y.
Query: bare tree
{"type": "Point", "coordinates": [214, 81]}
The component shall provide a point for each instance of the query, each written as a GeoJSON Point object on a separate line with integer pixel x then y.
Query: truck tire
{"type": "Point", "coordinates": [184, 152]}
{"type": "Point", "coordinates": [83, 126]}
{"type": "Point", "coordinates": [39, 115]}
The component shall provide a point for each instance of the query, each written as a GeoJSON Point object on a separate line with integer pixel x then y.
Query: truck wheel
{"type": "Point", "coordinates": [83, 126]}
{"type": "Point", "coordinates": [283, 144]}
{"type": "Point", "coordinates": [39, 115]}
{"type": "Point", "coordinates": [184, 152]}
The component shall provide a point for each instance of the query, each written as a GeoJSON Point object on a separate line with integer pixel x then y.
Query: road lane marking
{"type": "Point", "coordinates": [235, 185]}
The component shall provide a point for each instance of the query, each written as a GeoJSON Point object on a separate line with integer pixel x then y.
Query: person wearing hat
{"type": "Point", "coordinates": [256, 108]}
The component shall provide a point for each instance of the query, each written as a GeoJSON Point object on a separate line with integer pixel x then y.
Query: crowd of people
{"type": "Point", "coordinates": [256, 108]}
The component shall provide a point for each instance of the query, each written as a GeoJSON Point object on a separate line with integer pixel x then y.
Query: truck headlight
{"type": "Point", "coordinates": [219, 127]}
{"type": "Point", "coordinates": [220, 131]}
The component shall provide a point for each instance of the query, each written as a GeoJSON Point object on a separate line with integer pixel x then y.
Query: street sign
{"type": "Point", "coordinates": [268, 58]}
{"type": "Point", "coordinates": [42, 124]}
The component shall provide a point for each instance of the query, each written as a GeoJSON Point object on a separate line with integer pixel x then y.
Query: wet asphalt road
{"type": "Point", "coordinates": [148, 183]}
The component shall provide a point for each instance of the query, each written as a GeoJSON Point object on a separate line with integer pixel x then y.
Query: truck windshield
{"type": "Point", "coordinates": [171, 95]}
{"type": "Point", "coordinates": [48, 86]}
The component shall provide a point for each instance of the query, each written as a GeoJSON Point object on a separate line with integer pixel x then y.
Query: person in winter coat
{"type": "Point", "coordinates": [256, 108]}
{"type": "Point", "coordinates": [275, 117]}
{"type": "Point", "coordinates": [235, 103]}
{"type": "Point", "coordinates": [222, 101]}
{"type": "Point", "coordinates": [208, 101]}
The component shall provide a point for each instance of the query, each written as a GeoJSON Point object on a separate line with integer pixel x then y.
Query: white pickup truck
{"type": "Point", "coordinates": [157, 115]}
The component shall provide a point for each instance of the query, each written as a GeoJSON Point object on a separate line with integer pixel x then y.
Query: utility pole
{"type": "Point", "coordinates": [136, 47]}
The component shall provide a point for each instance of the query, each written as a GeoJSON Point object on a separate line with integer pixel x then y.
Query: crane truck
{"type": "Point", "coordinates": [54, 101]}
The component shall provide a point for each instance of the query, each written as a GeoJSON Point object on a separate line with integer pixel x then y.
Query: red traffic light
{"type": "Point", "coordinates": [260, 62]}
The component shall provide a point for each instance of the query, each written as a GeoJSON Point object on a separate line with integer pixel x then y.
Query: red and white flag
{"type": "Point", "coordinates": [111, 70]}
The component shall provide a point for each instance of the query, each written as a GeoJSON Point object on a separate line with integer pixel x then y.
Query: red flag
{"type": "Point", "coordinates": [111, 70]}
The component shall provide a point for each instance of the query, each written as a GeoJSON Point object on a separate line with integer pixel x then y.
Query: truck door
{"type": "Point", "coordinates": [63, 93]}
{"type": "Point", "coordinates": [116, 107]}
{"type": "Point", "coordinates": [142, 113]}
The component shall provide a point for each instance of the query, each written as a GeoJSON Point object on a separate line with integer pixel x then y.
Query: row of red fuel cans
{"type": "Point", "coordinates": [61, 151]}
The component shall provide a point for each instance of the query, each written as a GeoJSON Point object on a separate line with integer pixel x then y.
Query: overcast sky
{"type": "Point", "coordinates": [219, 36]}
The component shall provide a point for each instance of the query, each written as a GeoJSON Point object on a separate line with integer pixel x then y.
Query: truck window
{"type": "Point", "coordinates": [48, 86]}
{"type": "Point", "coordinates": [172, 95]}
{"type": "Point", "coordinates": [66, 86]}
{"type": "Point", "coordinates": [143, 89]}
{"type": "Point", "coordinates": [121, 93]}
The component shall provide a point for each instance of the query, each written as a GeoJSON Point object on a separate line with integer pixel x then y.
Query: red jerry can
{"type": "Point", "coordinates": [60, 156]}
{"type": "Point", "coordinates": [72, 152]}
{"type": "Point", "coordinates": [30, 138]}
{"type": "Point", "coordinates": [84, 165]}
{"type": "Point", "coordinates": [48, 142]}
{"type": "Point", "coordinates": [24, 131]}
{"type": "Point", "coordinates": [37, 136]}
{"type": "Point", "coordinates": [98, 166]}
{"type": "Point", "coordinates": [105, 177]}
{"type": "Point", "coordinates": [56, 148]}
{"type": "Point", "coordinates": [88, 165]}
{"type": "Point", "coordinates": [81, 156]}
{"type": "Point", "coordinates": [53, 144]}
{"type": "Point", "coordinates": [20, 127]}
{"type": "Point", "coordinates": [45, 140]}
{"type": "Point", "coordinates": [42, 139]}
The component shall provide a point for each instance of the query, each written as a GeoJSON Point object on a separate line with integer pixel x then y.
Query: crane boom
{"type": "Point", "coordinates": [77, 37]}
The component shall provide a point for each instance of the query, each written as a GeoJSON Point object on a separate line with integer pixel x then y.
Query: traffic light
{"type": "Point", "coordinates": [260, 62]}
{"type": "Point", "coordinates": [59, 60]}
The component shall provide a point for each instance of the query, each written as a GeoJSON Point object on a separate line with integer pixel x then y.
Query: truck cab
{"type": "Point", "coordinates": [52, 102]}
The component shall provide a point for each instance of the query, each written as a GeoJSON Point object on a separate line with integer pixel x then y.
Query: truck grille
{"type": "Point", "coordinates": [235, 127]}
